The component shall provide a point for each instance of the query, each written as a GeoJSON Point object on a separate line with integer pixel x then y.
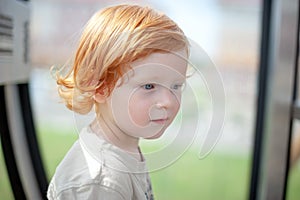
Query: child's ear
{"type": "Point", "coordinates": [100, 96]}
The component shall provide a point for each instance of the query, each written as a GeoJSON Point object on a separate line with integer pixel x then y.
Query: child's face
{"type": "Point", "coordinates": [149, 98]}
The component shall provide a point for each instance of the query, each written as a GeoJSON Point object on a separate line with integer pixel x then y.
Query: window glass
{"type": "Point", "coordinates": [227, 31]}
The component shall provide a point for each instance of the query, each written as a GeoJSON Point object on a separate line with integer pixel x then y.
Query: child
{"type": "Point", "coordinates": [130, 66]}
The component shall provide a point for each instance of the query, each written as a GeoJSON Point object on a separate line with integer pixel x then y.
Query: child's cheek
{"type": "Point", "coordinates": [138, 111]}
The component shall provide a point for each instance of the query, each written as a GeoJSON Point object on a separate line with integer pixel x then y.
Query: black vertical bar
{"type": "Point", "coordinates": [32, 143]}
{"type": "Point", "coordinates": [9, 156]}
{"type": "Point", "coordinates": [261, 102]}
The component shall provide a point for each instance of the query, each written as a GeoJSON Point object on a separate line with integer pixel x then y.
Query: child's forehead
{"type": "Point", "coordinates": [162, 63]}
{"type": "Point", "coordinates": [164, 58]}
{"type": "Point", "coordinates": [157, 72]}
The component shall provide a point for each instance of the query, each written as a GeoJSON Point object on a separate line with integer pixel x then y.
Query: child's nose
{"type": "Point", "coordinates": [167, 98]}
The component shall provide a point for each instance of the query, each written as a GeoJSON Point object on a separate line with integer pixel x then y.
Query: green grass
{"type": "Point", "coordinates": [54, 145]}
{"type": "Point", "coordinates": [5, 190]}
{"type": "Point", "coordinates": [293, 192]}
{"type": "Point", "coordinates": [218, 176]}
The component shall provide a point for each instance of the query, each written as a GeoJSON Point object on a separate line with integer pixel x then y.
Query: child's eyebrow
{"type": "Point", "coordinates": [156, 78]}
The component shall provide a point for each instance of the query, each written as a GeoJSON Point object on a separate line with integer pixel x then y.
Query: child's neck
{"type": "Point", "coordinates": [112, 134]}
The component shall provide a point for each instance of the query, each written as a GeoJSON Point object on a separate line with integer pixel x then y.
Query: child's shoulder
{"type": "Point", "coordinates": [73, 168]}
{"type": "Point", "coordinates": [79, 175]}
{"type": "Point", "coordinates": [83, 165]}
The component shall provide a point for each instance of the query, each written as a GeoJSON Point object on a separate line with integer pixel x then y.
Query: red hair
{"type": "Point", "coordinates": [111, 40]}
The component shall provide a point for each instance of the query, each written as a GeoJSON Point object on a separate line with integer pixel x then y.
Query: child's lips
{"type": "Point", "coordinates": [160, 121]}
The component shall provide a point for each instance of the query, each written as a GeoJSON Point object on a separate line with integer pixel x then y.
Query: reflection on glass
{"type": "Point", "coordinates": [228, 31]}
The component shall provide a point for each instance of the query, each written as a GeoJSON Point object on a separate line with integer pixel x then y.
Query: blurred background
{"type": "Point", "coordinates": [227, 30]}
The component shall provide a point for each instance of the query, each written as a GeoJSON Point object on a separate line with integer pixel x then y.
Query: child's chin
{"type": "Point", "coordinates": [156, 135]}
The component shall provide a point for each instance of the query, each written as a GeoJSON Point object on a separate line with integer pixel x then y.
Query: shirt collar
{"type": "Point", "coordinates": [104, 153]}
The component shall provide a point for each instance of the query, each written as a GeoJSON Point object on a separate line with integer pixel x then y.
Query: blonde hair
{"type": "Point", "coordinates": [112, 39]}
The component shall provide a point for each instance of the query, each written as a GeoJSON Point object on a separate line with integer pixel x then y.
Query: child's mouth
{"type": "Point", "coordinates": [160, 121]}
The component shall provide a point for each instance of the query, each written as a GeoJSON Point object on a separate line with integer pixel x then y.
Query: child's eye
{"type": "Point", "coordinates": [177, 86]}
{"type": "Point", "coordinates": [148, 86]}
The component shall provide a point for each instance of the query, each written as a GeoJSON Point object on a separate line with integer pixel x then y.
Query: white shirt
{"type": "Point", "coordinates": [96, 169]}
